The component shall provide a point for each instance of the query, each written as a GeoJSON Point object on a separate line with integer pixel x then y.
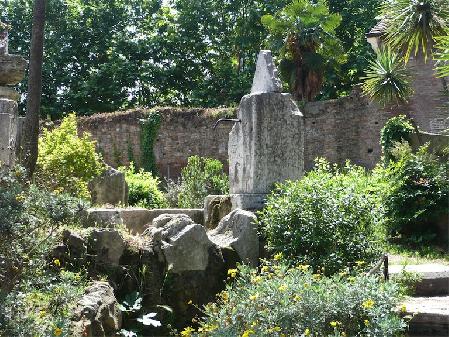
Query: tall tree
{"type": "Point", "coordinates": [31, 133]}
{"type": "Point", "coordinates": [304, 32]}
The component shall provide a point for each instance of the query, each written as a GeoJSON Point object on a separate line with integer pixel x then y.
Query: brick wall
{"type": "Point", "coordinates": [346, 128]}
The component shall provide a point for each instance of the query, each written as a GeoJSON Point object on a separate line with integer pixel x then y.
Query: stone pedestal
{"type": "Point", "coordinates": [12, 71]}
{"type": "Point", "coordinates": [267, 146]}
{"type": "Point", "coordinates": [8, 131]}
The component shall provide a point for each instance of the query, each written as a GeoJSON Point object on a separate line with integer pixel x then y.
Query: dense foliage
{"type": "Point", "coordinates": [36, 295]}
{"type": "Point", "coordinates": [329, 219]}
{"type": "Point", "coordinates": [396, 130]}
{"type": "Point", "coordinates": [417, 197]}
{"type": "Point", "coordinates": [279, 301]}
{"type": "Point", "coordinates": [193, 52]}
{"type": "Point", "coordinates": [442, 55]}
{"type": "Point", "coordinates": [67, 162]}
{"type": "Point", "coordinates": [143, 188]}
{"type": "Point", "coordinates": [200, 178]}
{"type": "Point", "coordinates": [149, 128]}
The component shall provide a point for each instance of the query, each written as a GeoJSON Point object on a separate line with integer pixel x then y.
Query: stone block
{"type": "Point", "coordinates": [268, 145]}
{"type": "Point", "coordinates": [8, 131]}
{"type": "Point", "coordinates": [12, 69]}
{"type": "Point", "coordinates": [102, 217]}
{"type": "Point", "coordinates": [110, 188]}
{"type": "Point", "coordinates": [238, 230]}
{"type": "Point", "coordinates": [216, 207]}
{"type": "Point", "coordinates": [266, 77]}
{"type": "Point", "coordinates": [135, 219]}
{"type": "Point", "coordinates": [250, 202]}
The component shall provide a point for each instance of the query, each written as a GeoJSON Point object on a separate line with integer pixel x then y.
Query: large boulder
{"type": "Point", "coordinates": [97, 313]}
{"type": "Point", "coordinates": [110, 188]}
{"type": "Point", "coordinates": [238, 230]}
{"type": "Point", "coordinates": [216, 207]}
{"type": "Point", "coordinates": [184, 244]}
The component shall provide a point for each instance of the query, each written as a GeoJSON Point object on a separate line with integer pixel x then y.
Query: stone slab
{"type": "Point", "coordinates": [430, 316]}
{"type": "Point", "coordinates": [8, 131]}
{"type": "Point", "coordinates": [9, 93]}
{"type": "Point", "coordinates": [434, 278]}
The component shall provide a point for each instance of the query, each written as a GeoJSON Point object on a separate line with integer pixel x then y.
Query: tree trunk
{"type": "Point", "coordinates": [31, 132]}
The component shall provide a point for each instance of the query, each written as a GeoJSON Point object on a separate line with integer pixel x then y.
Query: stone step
{"type": "Point", "coordinates": [430, 316]}
{"type": "Point", "coordinates": [434, 278]}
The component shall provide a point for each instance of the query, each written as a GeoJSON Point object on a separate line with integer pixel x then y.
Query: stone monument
{"type": "Point", "coordinates": [266, 146]}
{"type": "Point", "coordinates": [12, 71]}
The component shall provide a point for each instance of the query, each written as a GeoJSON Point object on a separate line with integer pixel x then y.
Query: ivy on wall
{"type": "Point", "coordinates": [149, 128]}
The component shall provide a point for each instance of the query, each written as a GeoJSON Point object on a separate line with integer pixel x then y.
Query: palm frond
{"type": "Point", "coordinates": [412, 25]}
{"type": "Point", "coordinates": [387, 80]}
{"type": "Point", "coordinates": [442, 56]}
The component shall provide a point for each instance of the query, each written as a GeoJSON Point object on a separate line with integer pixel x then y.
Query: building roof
{"type": "Point", "coordinates": [379, 29]}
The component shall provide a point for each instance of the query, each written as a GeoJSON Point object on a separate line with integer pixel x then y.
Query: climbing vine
{"type": "Point", "coordinates": [149, 130]}
{"type": "Point", "coordinates": [397, 129]}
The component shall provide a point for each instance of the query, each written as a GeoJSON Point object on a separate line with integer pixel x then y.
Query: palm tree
{"type": "Point", "coordinates": [304, 33]}
{"type": "Point", "coordinates": [31, 134]}
{"type": "Point", "coordinates": [387, 80]}
{"type": "Point", "coordinates": [413, 25]}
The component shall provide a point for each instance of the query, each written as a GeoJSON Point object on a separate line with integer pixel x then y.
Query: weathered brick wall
{"type": "Point", "coordinates": [342, 129]}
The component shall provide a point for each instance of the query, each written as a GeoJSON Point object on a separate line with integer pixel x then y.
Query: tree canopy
{"type": "Point", "coordinates": [106, 55]}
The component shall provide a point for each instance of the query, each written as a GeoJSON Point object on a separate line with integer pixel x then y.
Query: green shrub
{"type": "Point", "coordinates": [67, 162]}
{"type": "Point", "coordinates": [419, 192]}
{"type": "Point", "coordinates": [396, 130]}
{"type": "Point", "coordinates": [36, 295]}
{"type": "Point", "coordinates": [331, 218]}
{"type": "Point", "coordinates": [294, 302]}
{"type": "Point", "coordinates": [200, 178]}
{"type": "Point", "coordinates": [143, 188]}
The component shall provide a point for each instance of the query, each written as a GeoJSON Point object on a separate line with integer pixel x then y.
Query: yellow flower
{"type": "Point", "coordinates": [297, 298]}
{"type": "Point", "coordinates": [366, 322]}
{"type": "Point", "coordinates": [303, 267]}
{"type": "Point", "coordinates": [190, 302]}
{"type": "Point", "coordinates": [316, 276]}
{"type": "Point", "coordinates": [333, 324]}
{"type": "Point", "coordinates": [265, 269]}
{"type": "Point", "coordinates": [232, 272]}
{"type": "Point", "coordinates": [282, 288]}
{"type": "Point", "coordinates": [57, 263]}
{"type": "Point", "coordinates": [307, 332]}
{"type": "Point", "coordinates": [246, 333]}
{"type": "Point", "coordinates": [256, 279]}
{"type": "Point", "coordinates": [254, 297]}
{"type": "Point", "coordinates": [57, 331]}
{"type": "Point", "coordinates": [187, 332]}
{"type": "Point", "coordinates": [360, 263]}
{"type": "Point", "coordinates": [368, 304]}
{"type": "Point", "coordinates": [20, 197]}
{"type": "Point", "coordinates": [224, 296]}
{"type": "Point", "coordinates": [278, 256]}
{"type": "Point", "coordinates": [403, 309]}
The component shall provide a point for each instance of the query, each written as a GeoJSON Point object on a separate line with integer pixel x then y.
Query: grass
{"type": "Point", "coordinates": [401, 254]}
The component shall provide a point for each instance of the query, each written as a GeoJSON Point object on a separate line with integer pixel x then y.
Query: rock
{"type": "Point", "coordinates": [97, 313]}
{"type": "Point", "coordinates": [184, 244]}
{"type": "Point", "coordinates": [12, 69]}
{"type": "Point", "coordinates": [216, 207]}
{"type": "Point", "coordinates": [135, 219]}
{"type": "Point", "coordinates": [75, 243]}
{"type": "Point", "coordinates": [8, 131]}
{"type": "Point", "coordinates": [108, 246]}
{"type": "Point", "coordinates": [102, 217]}
{"type": "Point", "coordinates": [196, 214]}
{"type": "Point", "coordinates": [110, 188]}
{"type": "Point", "coordinates": [266, 77]}
{"type": "Point", "coordinates": [238, 230]}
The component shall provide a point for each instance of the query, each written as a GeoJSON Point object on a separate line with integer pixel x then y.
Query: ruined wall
{"type": "Point", "coordinates": [183, 133]}
{"type": "Point", "coordinates": [342, 129]}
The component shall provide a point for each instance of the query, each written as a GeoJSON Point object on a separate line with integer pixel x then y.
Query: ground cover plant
{"type": "Point", "coordinates": [329, 219]}
{"type": "Point", "coordinates": [283, 301]}
{"type": "Point", "coordinates": [143, 188]}
{"type": "Point", "coordinates": [36, 294]}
